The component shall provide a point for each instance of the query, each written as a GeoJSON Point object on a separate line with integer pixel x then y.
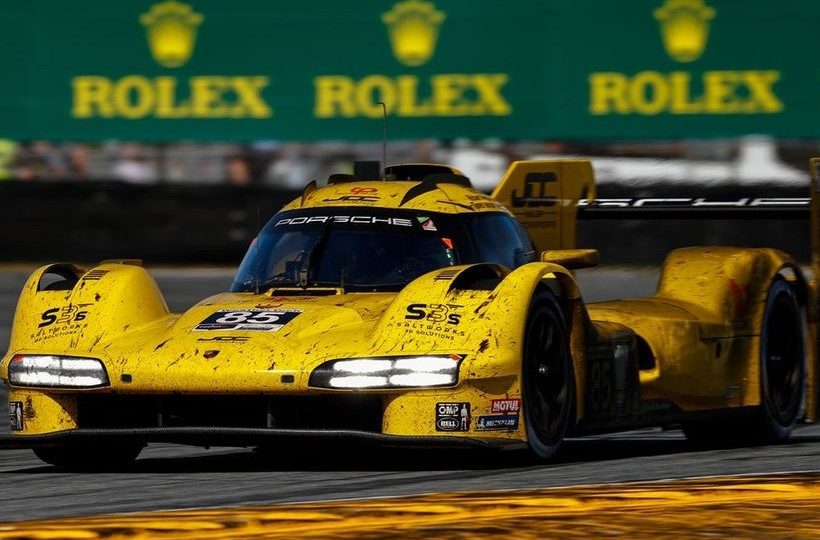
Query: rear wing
{"type": "Point", "coordinates": [775, 208]}
{"type": "Point", "coordinates": [544, 196]}
{"type": "Point", "coordinates": [549, 197]}
{"type": "Point", "coordinates": [779, 208]}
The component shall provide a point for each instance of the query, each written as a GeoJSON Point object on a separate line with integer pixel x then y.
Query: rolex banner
{"type": "Point", "coordinates": [521, 69]}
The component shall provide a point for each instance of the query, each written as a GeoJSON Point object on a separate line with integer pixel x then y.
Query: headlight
{"type": "Point", "coordinates": [56, 371]}
{"type": "Point", "coordinates": [402, 372]}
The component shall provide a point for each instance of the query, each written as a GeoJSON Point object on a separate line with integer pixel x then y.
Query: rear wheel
{"type": "Point", "coordinates": [782, 377]}
{"type": "Point", "coordinates": [782, 362]}
{"type": "Point", "coordinates": [90, 458]}
{"type": "Point", "coordinates": [548, 378]}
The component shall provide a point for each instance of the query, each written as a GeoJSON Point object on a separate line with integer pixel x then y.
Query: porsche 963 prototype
{"type": "Point", "coordinates": [419, 311]}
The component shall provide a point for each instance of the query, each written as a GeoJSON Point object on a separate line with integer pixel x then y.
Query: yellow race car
{"type": "Point", "coordinates": [414, 310]}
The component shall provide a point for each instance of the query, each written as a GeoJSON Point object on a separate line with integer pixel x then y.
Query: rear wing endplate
{"type": "Point", "coordinates": [544, 196]}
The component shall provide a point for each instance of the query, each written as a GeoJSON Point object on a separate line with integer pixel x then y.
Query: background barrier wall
{"type": "Point", "coordinates": [160, 224]}
{"type": "Point", "coordinates": [178, 224]}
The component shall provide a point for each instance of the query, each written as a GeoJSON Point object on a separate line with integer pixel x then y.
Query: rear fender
{"type": "Point", "coordinates": [726, 289]}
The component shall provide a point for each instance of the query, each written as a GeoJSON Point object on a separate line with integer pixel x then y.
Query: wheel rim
{"type": "Point", "coordinates": [547, 380]}
{"type": "Point", "coordinates": [783, 360]}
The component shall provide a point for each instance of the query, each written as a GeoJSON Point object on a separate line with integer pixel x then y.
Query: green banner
{"type": "Point", "coordinates": [522, 69]}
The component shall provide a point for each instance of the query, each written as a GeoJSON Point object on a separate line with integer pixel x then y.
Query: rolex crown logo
{"type": "Point", "coordinates": [684, 28]}
{"type": "Point", "coordinates": [171, 27]}
{"type": "Point", "coordinates": [413, 29]}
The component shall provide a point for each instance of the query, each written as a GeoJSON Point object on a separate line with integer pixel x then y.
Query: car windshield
{"type": "Point", "coordinates": [353, 248]}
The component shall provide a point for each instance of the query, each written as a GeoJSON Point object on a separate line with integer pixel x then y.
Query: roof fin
{"type": "Point", "coordinates": [310, 188]}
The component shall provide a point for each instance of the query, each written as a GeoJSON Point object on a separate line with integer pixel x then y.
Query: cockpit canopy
{"type": "Point", "coordinates": [374, 249]}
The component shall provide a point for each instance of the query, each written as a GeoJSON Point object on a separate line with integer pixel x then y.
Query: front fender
{"type": "Point", "coordinates": [450, 311]}
{"type": "Point", "coordinates": [89, 310]}
{"type": "Point", "coordinates": [510, 303]}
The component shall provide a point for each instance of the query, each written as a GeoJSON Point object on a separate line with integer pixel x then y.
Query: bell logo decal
{"type": "Point", "coordinates": [413, 29]}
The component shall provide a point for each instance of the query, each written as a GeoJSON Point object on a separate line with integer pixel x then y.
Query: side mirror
{"type": "Point", "coordinates": [292, 269]}
{"type": "Point", "coordinates": [571, 259]}
{"type": "Point", "coordinates": [523, 257]}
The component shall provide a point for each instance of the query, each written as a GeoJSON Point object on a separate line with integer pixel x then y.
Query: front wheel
{"type": "Point", "coordinates": [548, 378]}
{"type": "Point", "coordinates": [77, 457]}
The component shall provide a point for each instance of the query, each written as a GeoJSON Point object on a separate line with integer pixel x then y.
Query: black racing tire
{"type": "Point", "coordinates": [548, 378]}
{"type": "Point", "coordinates": [90, 458]}
{"type": "Point", "coordinates": [782, 369]}
{"type": "Point", "coordinates": [782, 362]}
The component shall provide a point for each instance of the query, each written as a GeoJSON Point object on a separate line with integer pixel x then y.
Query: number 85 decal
{"type": "Point", "coordinates": [253, 317]}
{"type": "Point", "coordinates": [601, 385]}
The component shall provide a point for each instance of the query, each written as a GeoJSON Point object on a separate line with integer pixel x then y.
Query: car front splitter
{"type": "Point", "coordinates": [241, 437]}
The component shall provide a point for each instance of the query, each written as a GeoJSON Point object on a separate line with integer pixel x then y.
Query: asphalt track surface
{"type": "Point", "coordinates": [171, 477]}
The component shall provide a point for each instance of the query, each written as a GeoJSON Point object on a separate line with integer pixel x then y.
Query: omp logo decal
{"type": "Point", "coordinates": [453, 416]}
{"type": "Point", "coordinates": [171, 28]}
{"type": "Point", "coordinates": [413, 29]}
{"type": "Point", "coordinates": [684, 28]}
